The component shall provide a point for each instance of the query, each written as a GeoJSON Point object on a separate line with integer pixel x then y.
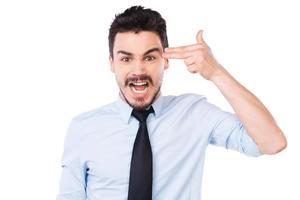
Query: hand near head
{"type": "Point", "coordinates": [197, 57]}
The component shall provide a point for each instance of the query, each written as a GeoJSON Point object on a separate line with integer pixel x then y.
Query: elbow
{"type": "Point", "coordinates": [275, 146]}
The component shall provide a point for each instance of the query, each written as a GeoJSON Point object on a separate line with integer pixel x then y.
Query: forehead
{"type": "Point", "coordinates": [136, 43]}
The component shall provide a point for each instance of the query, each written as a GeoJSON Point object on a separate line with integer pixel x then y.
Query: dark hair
{"type": "Point", "coordinates": [136, 19]}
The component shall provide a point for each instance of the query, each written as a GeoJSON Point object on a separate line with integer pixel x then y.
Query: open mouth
{"type": "Point", "coordinates": [139, 87]}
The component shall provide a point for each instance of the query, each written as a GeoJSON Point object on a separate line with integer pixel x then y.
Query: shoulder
{"type": "Point", "coordinates": [184, 103]}
{"type": "Point", "coordinates": [103, 111]}
{"type": "Point", "coordinates": [86, 121]}
{"type": "Point", "coordinates": [191, 102]}
{"type": "Point", "coordinates": [191, 97]}
{"type": "Point", "coordinates": [186, 99]}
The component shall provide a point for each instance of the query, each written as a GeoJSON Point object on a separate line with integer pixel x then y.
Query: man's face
{"type": "Point", "coordinates": [138, 66]}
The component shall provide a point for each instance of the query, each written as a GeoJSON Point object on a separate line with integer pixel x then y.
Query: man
{"type": "Point", "coordinates": [148, 146]}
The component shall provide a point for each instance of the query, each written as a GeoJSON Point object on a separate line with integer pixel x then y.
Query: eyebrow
{"type": "Point", "coordinates": [152, 50]}
{"type": "Point", "coordinates": [147, 52]}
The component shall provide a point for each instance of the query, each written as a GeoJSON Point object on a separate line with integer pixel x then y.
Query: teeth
{"type": "Point", "coordinates": [139, 84]}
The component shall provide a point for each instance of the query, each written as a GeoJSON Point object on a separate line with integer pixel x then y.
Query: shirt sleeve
{"type": "Point", "coordinates": [73, 181]}
{"type": "Point", "coordinates": [229, 132]}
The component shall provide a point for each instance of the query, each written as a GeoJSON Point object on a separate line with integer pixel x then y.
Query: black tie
{"type": "Point", "coordinates": [140, 181]}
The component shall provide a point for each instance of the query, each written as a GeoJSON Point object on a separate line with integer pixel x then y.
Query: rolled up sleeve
{"type": "Point", "coordinates": [73, 178]}
{"type": "Point", "coordinates": [230, 133]}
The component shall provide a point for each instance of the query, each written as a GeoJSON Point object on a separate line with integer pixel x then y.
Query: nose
{"type": "Point", "coordinates": [138, 68]}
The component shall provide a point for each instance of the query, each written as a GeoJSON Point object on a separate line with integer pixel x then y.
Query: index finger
{"type": "Point", "coordinates": [176, 55]}
{"type": "Point", "coordinates": [179, 49]}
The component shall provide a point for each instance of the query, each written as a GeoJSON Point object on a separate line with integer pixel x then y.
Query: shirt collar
{"type": "Point", "coordinates": [125, 109]}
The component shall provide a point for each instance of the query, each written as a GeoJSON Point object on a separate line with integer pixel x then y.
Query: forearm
{"type": "Point", "coordinates": [257, 120]}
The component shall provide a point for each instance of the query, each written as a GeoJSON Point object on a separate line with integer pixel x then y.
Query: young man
{"type": "Point", "coordinates": [148, 146]}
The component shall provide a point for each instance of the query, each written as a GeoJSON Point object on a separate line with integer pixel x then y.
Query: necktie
{"type": "Point", "coordinates": [140, 181]}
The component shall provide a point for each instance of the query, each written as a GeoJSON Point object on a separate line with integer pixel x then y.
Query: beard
{"type": "Point", "coordinates": [140, 103]}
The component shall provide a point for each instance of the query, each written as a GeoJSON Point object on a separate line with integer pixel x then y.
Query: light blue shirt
{"type": "Point", "coordinates": [98, 147]}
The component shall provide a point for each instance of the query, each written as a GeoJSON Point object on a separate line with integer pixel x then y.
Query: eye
{"type": "Point", "coordinates": [125, 59]}
{"type": "Point", "coordinates": [149, 58]}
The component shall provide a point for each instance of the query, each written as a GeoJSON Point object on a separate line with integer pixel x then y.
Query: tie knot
{"type": "Point", "coordinates": [141, 115]}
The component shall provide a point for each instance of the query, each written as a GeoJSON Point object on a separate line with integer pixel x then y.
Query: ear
{"type": "Point", "coordinates": [111, 62]}
{"type": "Point", "coordinates": [166, 63]}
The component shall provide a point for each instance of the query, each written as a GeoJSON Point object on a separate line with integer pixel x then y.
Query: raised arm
{"type": "Point", "coordinates": [256, 118]}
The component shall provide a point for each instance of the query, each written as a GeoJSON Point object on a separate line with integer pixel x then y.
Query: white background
{"type": "Point", "coordinates": [54, 65]}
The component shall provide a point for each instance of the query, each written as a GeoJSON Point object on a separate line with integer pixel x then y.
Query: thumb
{"type": "Point", "coordinates": [199, 37]}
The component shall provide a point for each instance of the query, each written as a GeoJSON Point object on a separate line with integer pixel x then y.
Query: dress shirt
{"type": "Point", "coordinates": [98, 148]}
